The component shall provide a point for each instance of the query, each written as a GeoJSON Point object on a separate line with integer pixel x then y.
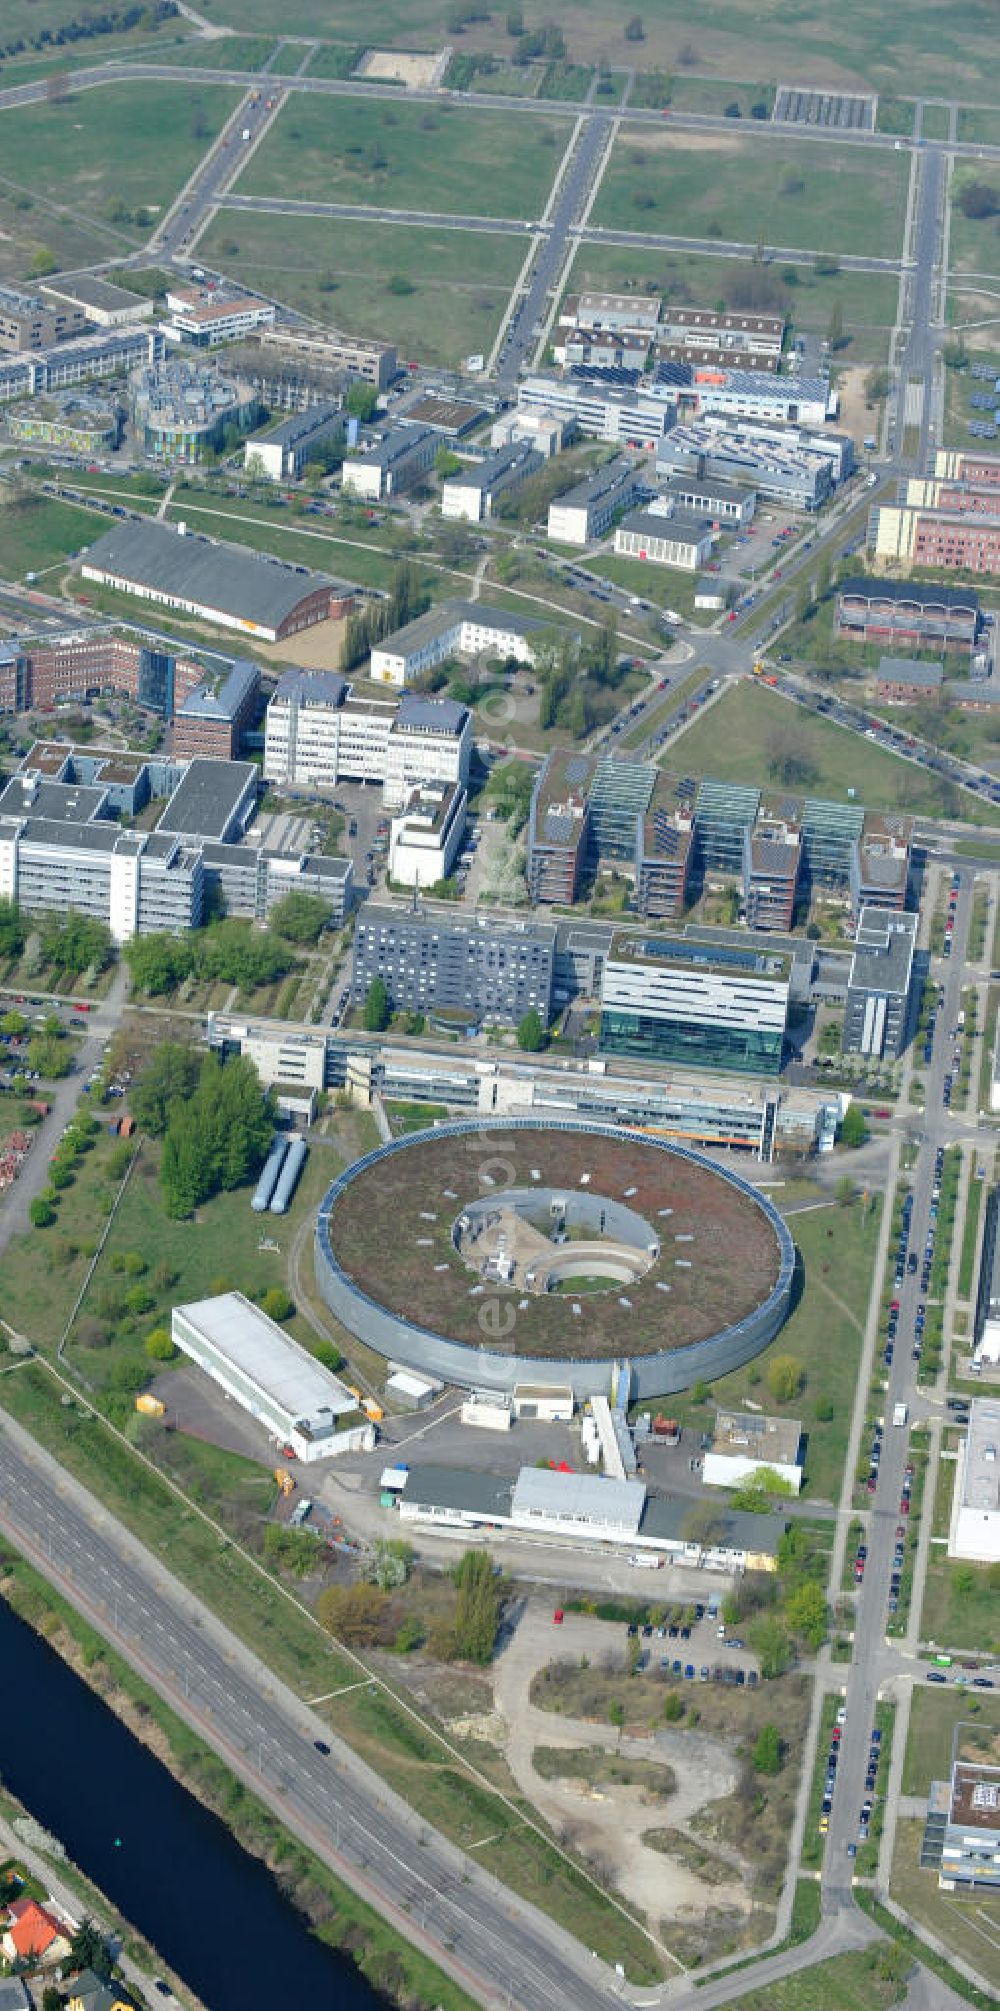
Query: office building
{"type": "Point", "coordinates": [74, 423]}
{"type": "Point", "coordinates": [677, 539]}
{"type": "Point", "coordinates": [665, 849]}
{"type": "Point", "coordinates": [876, 1022]}
{"type": "Point", "coordinates": [558, 827]}
{"type": "Point", "coordinates": [904, 680]}
{"type": "Point", "coordinates": [85, 663]}
{"type": "Point", "coordinates": [260, 1367]}
{"type": "Point", "coordinates": [968, 464]}
{"type": "Point", "coordinates": [99, 300]}
{"type": "Point", "coordinates": [426, 835]}
{"type": "Point", "coordinates": [914, 536]}
{"type": "Point", "coordinates": [761, 396]}
{"type": "Point", "coordinates": [105, 353]}
{"type": "Point", "coordinates": [961, 1839]}
{"type": "Point", "coordinates": [615, 313]}
{"type": "Point", "coordinates": [917, 613]}
{"type": "Point", "coordinates": [224, 584]}
{"type": "Point", "coordinates": [318, 735]}
{"type": "Point", "coordinates": [393, 465]}
{"type": "Point", "coordinates": [620, 413]}
{"type": "Point", "coordinates": [330, 349]}
{"type": "Point", "coordinates": [701, 335]}
{"type": "Point", "coordinates": [182, 411]}
{"type": "Point", "coordinates": [696, 1004]}
{"type": "Point", "coordinates": [454, 628]}
{"type": "Point", "coordinates": [584, 347]}
{"type": "Point", "coordinates": [471, 493]}
{"type": "Point", "coordinates": [282, 454]}
{"type": "Point", "coordinates": [213, 718]}
{"type": "Point", "coordinates": [974, 1531]}
{"type": "Point", "coordinates": [458, 970]}
{"type": "Point", "coordinates": [747, 1443]}
{"type": "Point", "coordinates": [588, 509]}
{"type": "Point", "coordinates": [542, 430]}
{"type": "Point", "coordinates": [207, 315]}
{"type": "Point", "coordinates": [213, 799]}
{"type": "Point", "coordinates": [789, 469]}
{"type": "Point", "coordinates": [772, 859]}
{"type": "Point", "coordinates": [30, 322]}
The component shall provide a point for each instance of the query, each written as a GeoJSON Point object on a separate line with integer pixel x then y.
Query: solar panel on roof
{"type": "Point", "coordinates": [577, 769]}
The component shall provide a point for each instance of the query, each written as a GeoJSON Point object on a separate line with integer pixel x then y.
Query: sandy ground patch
{"type": "Point", "coordinates": [855, 417]}
{"type": "Point", "coordinates": [416, 72]}
{"type": "Point", "coordinates": [607, 1824]}
{"type": "Point", "coordinates": [312, 649]}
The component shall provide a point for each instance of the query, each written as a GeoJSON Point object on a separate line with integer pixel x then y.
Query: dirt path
{"type": "Point", "coordinates": [608, 1823]}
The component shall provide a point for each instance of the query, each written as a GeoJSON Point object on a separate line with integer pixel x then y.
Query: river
{"type": "Point", "coordinates": [170, 1866]}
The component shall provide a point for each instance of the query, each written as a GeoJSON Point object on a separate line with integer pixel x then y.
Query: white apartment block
{"type": "Point", "coordinates": [393, 465]}
{"type": "Point", "coordinates": [625, 417]}
{"type": "Point", "coordinates": [975, 1513]}
{"type": "Point", "coordinates": [205, 316]}
{"type": "Point", "coordinates": [471, 493]}
{"type": "Point", "coordinates": [587, 510]}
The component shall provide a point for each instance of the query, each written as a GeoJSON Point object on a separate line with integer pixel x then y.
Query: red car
{"type": "Point", "coordinates": [904, 1506]}
{"type": "Point", "coordinates": [557, 1617]}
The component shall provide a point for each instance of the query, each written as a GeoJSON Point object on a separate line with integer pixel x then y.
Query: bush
{"type": "Point", "coordinates": [139, 1299]}
{"type": "Point", "coordinates": [42, 1213]}
{"type": "Point", "coordinates": [277, 1304]}
{"type": "Point", "coordinates": [785, 1378]}
{"type": "Point", "coordinates": [159, 1346]}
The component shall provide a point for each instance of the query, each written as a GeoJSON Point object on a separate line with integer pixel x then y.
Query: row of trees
{"type": "Point", "coordinates": [215, 1124]}
{"type": "Point", "coordinates": [578, 679]}
{"type": "Point", "coordinates": [228, 952]}
{"type": "Point", "coordinates": [67, 942]}
{"type": "Point", "coordinates": [406, 598]}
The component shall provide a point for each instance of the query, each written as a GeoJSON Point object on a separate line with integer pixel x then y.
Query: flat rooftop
{"type": "Point", "coordinates": [446, 415]}
{"type": "Point", "coordinates": [688, 953]}
{"type": "Point", "coordinates": [279, 1366]}
{"type": "Point", "coordinates": [86, 289]}
{"type": "Point", "coordinates": [908, 670]}
{"type": "Point", "coordinates": [883, 954]}
{"type": "Point", "coordinates": [204, 804]}
{"type": "Point", "coordinates": [26, 795]}
{"type": "Point", "coordinates": [751, 1435]}
{"type": "Point", "coordinates": [980, 1470]}
{"type": "Point", "coordinates": [975, 1796]}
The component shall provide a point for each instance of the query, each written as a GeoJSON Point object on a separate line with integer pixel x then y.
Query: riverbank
{"type": "Point", "coordinates": [331, 1911]}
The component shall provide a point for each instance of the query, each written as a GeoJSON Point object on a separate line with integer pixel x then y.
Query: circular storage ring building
{"type": "Point", "coordinates": [490, 1254]}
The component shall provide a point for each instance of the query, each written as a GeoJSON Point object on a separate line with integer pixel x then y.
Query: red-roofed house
{"type": "Point", "coordinates": [34, 1934]}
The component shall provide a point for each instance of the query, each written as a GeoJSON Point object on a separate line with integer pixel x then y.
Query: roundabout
{"type": "Point", "coordinates": [488, 1254]}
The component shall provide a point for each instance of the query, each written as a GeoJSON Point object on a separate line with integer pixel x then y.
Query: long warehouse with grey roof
{"type": "Point", "coordinates": [220, 583]}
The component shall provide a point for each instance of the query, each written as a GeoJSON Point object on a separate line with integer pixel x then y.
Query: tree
{"type": "Point", "coordinates": [277, 1304]}
{"type": "Point", "coordinates": [446, 462]}
{"type": "Point", "coordinates": [52, 1058]}
{"type": "Point", "coordinates": [353, 1613]}
{"type": "Point", "coordinates": [673, 1708]}
{"type": "Point", "coordinates": [391, 1563]}
{"type": "Point", "coordinates": [826, 267]}
{"type": "Point", "coordinates": [634, 30]}
{"type": "Point", "coordinates": [785, 1378]}
{"type": "Point", "coordinates": [376, 1008]}
{"type": "Point", "coordinates": [362, 401]}
{"type": "Point", "coordinates": [767, 1750]}
{"type": "Point", "coordinates": [771, 1645]}
{"type": "Point", "coordinates": [43, 262]}
{"type": "Point", "coordinates": [531, 1034]}
{"type": "Point", "coordinates": [835, 327]}
{"type": "Point", "coordinates": [807, 1613]}
{"type": "Point", "coordinates": [159, 1346]}
{"type": "Point", "coordinates": [158, 963]}
{"type": "Point", "coordinates": [979, 200]}
{"type": "Point", "coordinates": [89, 1950]}
{"type": "Point", "coordinates": [300, 917]}
{"type": "Point", "coordinates": [217, 1138]}
{"type": "Point", "coordinates": [13, 933]}
{"type": "Point", "coordinates": [477, 1615]}
{"type": "Point", "coordinates": [853, 1130]}
{"type": "Point", "coordinates": [168, 1078]}
{"type": "Point", "coordinates": [51, 1999]}
{"type": "Point", "coordinates": [845, 1191]}
{"type": "Point", "coordinates": [515, 22]}
{"type": "Point", "coordinates": [42, 1213]}
{"type": "Point", "coordinates": [14, 1023]}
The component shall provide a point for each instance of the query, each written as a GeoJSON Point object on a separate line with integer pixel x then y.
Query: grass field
{"type": "Point", "coordinates": [281, 534]}
{"type": "Point", "coordinates": [659, 584]}
{"type": "Point", "coordinates": [978, 127]}
{"type": "Point", "coordinates": [831, 199]}
{"type": "Point", "coordinates": [895, 115]}
{"type": "Point", "coordinates": [974, 245]}
{"type": "Point", "coordinates": [856, 44]}
{"type": "Point", "coordinates": [969, 1927]}
{"type": "Point", "coordinates": [837, 1249]}
{"type": "Point", "coordinates": [133, 143]}
{"type": "Point", "coordinates": [934, 1714]}
{"type": "Point", "coordinates": [42, 535]}
{"type": "Point", "coordinates": [714, 94]}
{"type": "Point", "coordinates": [936, 121]}
{"type": "Point", "coordinates": [960, 1608]}
{"type": "Point", "coordinates": [565, 81]}
{"type": "Point", "coordinates": [845, 1983]}
{"type": "Point", "coordinates": [867, 302]}
{"type": "Point", "coordinates": [752, 732]}
{"type": "Point", "coordinates": [229, 52]}
{"type": "Point", "coordinates": [425, 157]}
{"type": "Point", "coordinates": [457, 282]}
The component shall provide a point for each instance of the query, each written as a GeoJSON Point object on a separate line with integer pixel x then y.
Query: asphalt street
{"type": "Point", "coordinates": [493, 1943]}
{"type": "Point", "coordinates": [520, 338]}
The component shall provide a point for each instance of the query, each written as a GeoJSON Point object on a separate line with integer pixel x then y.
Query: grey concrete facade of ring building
{"type": "Point", "coordinates": [664, 1373]}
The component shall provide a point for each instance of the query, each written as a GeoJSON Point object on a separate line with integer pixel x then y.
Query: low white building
{"type": "Point", "coordinates": [746, 1442]}
{"type": "Point", "coordinates": [760, 394]}
{"type": "Point", "coordinates": [455, 628]}
{"type": "Point", "coordinates": [296, 1400]}
{"type": "Point", "coordinates": [542, 430]}
{"type": "Point", "coordinates": [393, 465]}
{"type": "Point", "coordinates": [283, 453]}
{"type": "Point", "coordinates": [975, 1513]}
{"type": "Point", "coordinates": [676, 539]}
{"type": "Point", "coordinates": [206, 316]}
{"type": "Point", "coordinates": [588, 509]}
{"type": "Point", "coordinates": [424, 839]}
